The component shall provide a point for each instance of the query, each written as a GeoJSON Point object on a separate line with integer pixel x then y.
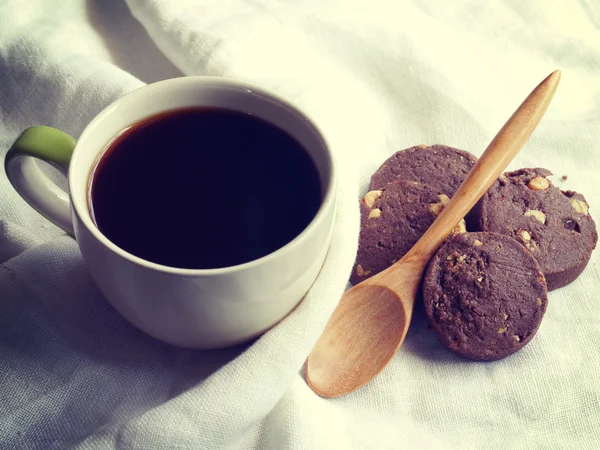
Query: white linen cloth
{"type": "Point", "coordinates": [377, 76]}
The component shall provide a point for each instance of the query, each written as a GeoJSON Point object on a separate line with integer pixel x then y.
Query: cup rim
{"type": "Point", "coordinates": [83, 214]}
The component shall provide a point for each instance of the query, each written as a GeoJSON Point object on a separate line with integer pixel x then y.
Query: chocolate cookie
{"type": "Point", "coordinates": [554, 225]}
{"type": "Point", "coordinates": [443, 168]}
{"type": "Point", "coordinates": [392, 221]}
{"type": "Point", "coordinates": [484, 295]}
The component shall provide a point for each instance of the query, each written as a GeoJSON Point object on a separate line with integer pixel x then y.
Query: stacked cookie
{"type": "Point", "coordinates": [485, 291]}
{"type": "Point", "coordinates": [406, 194]}
{"type": "Point", "coordinates": [554, 225]}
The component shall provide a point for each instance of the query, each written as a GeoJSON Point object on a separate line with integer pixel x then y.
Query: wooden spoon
{"type": "Point", "coordinates": [372, 318]}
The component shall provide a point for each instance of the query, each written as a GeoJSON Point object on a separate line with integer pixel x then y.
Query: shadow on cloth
{"type": "Point", "coordinates": [128, 43]}
{"type": "Point", "coordinates": [421, 341]}
{"type": "Point", "coordinates": [59, 333]}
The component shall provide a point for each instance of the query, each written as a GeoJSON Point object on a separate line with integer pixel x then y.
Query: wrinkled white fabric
{"type": "Point", "coordinates": [376, 76]}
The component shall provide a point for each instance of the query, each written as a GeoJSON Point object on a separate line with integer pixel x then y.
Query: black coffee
{"type": "Point", "coordinates": [203, 188]}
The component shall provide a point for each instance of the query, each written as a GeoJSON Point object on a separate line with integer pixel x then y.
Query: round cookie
{"type": "Point", "coordinates": [484, 295]}
{"type": "Point", "coordinates": [443, 168]}
{"type": "Point", "coordinates": [392, 221]}
{"type": "Point", "coordinates": [555, 226]}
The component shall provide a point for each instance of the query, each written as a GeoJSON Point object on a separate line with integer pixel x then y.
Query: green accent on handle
{"type": "Point", "coordinates": [49, 145]}
{"type": "Point", "coordinates": [46, 143]}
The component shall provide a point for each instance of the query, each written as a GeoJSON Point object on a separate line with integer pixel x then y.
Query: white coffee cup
{"type": "Point", "coordinates": [207, 308]}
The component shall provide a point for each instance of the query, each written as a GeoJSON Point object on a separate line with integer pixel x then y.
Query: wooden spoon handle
{"type": "Point", "coordinates": [503, 148]}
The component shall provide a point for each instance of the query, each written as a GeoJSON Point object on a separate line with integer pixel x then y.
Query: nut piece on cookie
{"type": "Point", "coordinates": [362, 272]}
{"type": "Point", "coordinates": [579, 206]}
{"type": "Point", "coordinates": [540, 216]}
{"type": "Point", "coordinates": [538, 184]}
{"type": "Point", "coordinates": [437, 207]}
{"type": "Point", "coordinates": [371, 197]}
{"type": "Point", "coordinates": [525, 235]}
{"type": "Point", "coordinates": [375, 213]}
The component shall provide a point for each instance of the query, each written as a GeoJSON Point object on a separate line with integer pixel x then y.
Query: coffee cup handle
{"type": "Point", "coordinates": [51, 146]}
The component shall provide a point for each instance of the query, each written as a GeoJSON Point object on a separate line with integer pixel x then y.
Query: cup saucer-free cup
{"type": "Point", "coordinates": [207, 308]}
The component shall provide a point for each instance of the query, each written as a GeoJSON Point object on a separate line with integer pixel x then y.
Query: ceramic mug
{"type": "Point", "coordinates": [207, 308]}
